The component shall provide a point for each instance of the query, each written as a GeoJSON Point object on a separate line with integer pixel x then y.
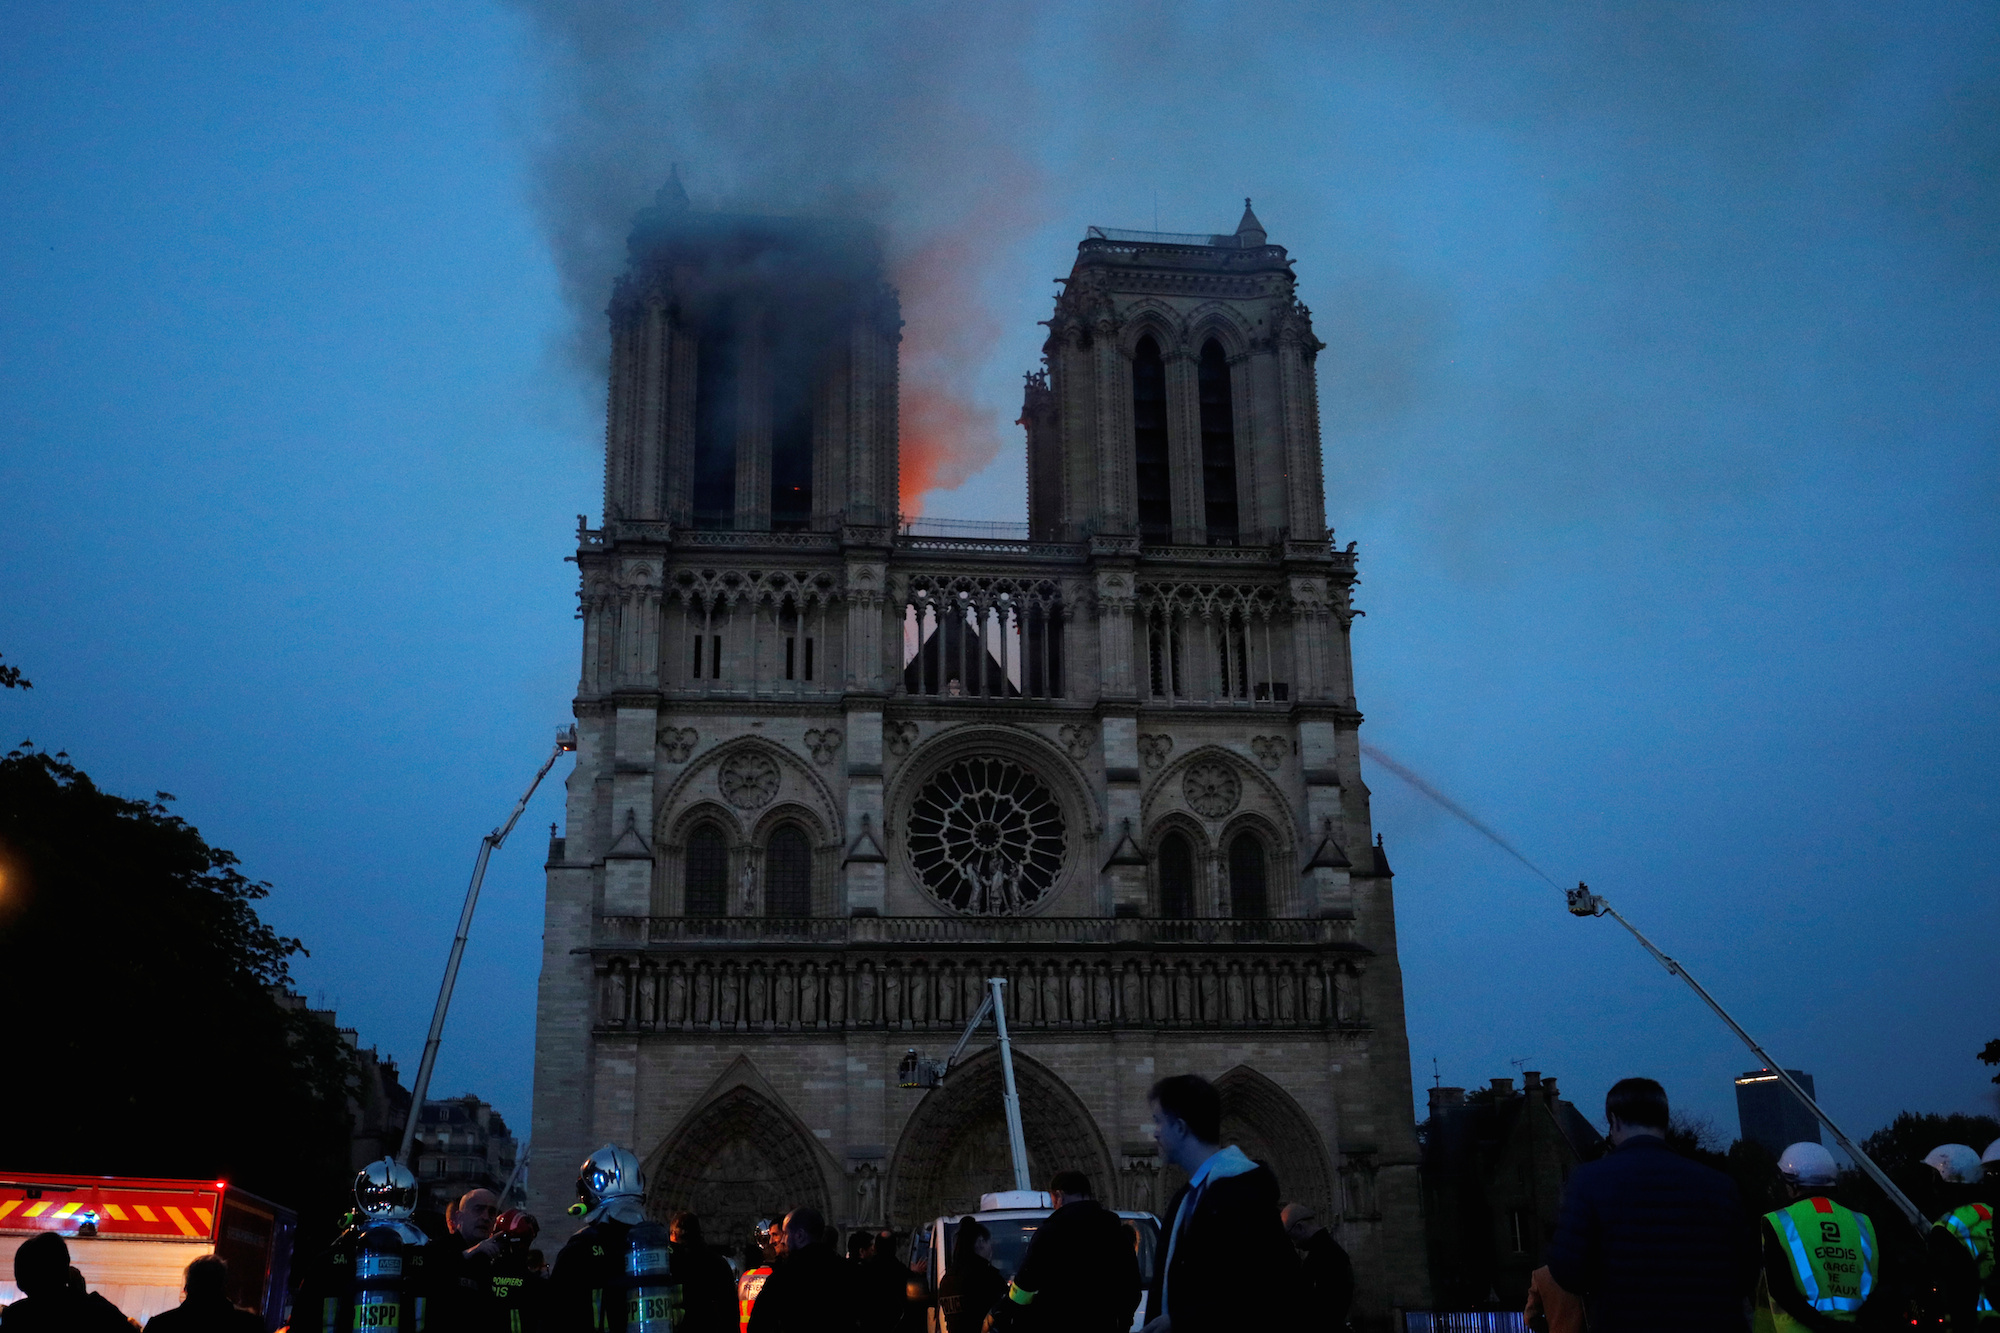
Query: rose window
{"type": "Point", "coordinates": [986, 836]}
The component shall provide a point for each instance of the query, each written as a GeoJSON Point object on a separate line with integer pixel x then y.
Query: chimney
{"type": "Point", "coordinates": [1446, 1099]}
{"type": "Point", "coordinates": [1531, 1079]}
{"type": "Point", "coordinates": [1503, 1087]}
{"type": "Point", "coordinates": [1549, 1086]}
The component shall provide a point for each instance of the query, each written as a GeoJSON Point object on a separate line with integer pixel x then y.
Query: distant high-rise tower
{"type": "Point", "coordinates": [834, 773]}
{"type": "Point", "coordinates": [1769, 1114]}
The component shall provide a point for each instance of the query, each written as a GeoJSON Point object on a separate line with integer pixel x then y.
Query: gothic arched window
{"type": "Point", "coordinates": [1218, 445]}
{"type": "Point", "coordinates": [1176, 876]}
{"type": "Point", "coordinates": [1247, 900]}
{"type": "Point", "coordinates": [707, 872]}
{"type": "Point", "coordinates": [1149, 442]}
{"type": "Point", "coordinates": [788, 872]}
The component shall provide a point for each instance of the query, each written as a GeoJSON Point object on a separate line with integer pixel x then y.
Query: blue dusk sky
{"type": "Point", "coordinates": [1659, 393]}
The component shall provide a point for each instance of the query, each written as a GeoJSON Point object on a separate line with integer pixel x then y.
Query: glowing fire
{"type": "Point", "coordinates": [949, 333]}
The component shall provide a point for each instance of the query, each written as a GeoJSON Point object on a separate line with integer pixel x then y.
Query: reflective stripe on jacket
{"type": "Point", "coordinates": [1973, 1226]}
{"type": "Point", "coordinates": [1834, 1258]}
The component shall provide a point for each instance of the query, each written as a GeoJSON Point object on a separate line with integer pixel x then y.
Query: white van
{"type": "Point", "coordinates": [1013, 1216]}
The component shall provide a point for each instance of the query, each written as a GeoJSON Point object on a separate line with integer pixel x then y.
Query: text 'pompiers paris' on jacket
{"type": "Point", "coordinates": [1655, 1241]}
{"type": "Point", "coordinates": [1231, 1255]}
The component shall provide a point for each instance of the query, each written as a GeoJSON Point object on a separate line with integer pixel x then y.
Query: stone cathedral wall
{"type": "Point", "coordinates": [833, 774]}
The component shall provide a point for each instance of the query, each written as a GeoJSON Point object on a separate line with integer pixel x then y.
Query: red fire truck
{"type": "Point", "coordinates": [132, 1238]}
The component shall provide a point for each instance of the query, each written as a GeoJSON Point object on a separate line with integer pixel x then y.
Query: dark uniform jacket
{"type": "Point", "coordinates": [214, 1315]}
{"type": "Point", "coordinates": [586, 1286]}
{"type": "Point", "coordinates": [64, 1312]}
{"type": "Point", "coordinates": [1082, 1271]}
{"type": "Point", "coordinates": [1654, 1241]}
{"type": "Point", "coordinates": [1232, 1258]}
{"type": "Point", "coordinates": [969, 1291]}
{"type": "Point", "coordinates": [708, 1290]}
{"type": "Point", "coordinates": [809, 1291]}
{"type": "Point", "coordinates": [1327, 1287]}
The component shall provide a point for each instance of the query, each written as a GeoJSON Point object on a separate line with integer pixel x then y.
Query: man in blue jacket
{"type": "Point", "coordinates": [1649, 1238]}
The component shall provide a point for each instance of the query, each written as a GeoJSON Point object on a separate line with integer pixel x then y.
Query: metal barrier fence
{"type": "Point", "coordinates": [1464, 1321]}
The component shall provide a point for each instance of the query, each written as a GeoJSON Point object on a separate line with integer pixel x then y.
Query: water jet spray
{"type": "Point", "coordinates": [1582, 902]}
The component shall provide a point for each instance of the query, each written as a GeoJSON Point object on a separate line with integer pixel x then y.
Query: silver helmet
{"type": "Point", "coordinates": [609, 1173]}
{"type": "Point", "coordinates": [1808, 1165]}
{"type": "Point", "coordinates": [1958, 1164]}
{"type": "Point", "coordinates": [385, 1191]}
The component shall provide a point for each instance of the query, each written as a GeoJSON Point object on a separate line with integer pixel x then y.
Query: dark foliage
{"type": "Point", "coordinates": [1904, 1141]}
{"type": "Point", "coordinates": [12, 679]}
{"type": "Point", "coordinates": [1991, 1056]}
{"type": "Point", "coordinates": [148, 1037]}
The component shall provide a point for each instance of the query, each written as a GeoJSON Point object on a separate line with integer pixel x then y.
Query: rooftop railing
{"type": "Point", "coordinates": [968, 932]}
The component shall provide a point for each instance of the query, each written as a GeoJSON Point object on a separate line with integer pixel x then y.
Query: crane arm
{"type": "Point", "coordinates": [565, 741]}
{"type": "Point", "coordinates": [1582, 902]}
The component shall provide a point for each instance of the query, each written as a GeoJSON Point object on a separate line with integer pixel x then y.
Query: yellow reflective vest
{"type": "Point", "coordinates": [1835, 1261]}
{"type": "Point", "coordinates": [1973, 1226]}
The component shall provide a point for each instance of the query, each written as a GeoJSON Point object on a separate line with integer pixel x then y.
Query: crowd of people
{"type": "Point", "coordinates": [1647, 1239]}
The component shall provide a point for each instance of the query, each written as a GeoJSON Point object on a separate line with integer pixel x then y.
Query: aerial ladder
{"type": "Point", "coordinates": [917, 1072]}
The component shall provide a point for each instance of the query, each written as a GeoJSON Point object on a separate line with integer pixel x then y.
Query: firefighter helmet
{"type": "Point", "coordinates": [609, 1173]}
{"type": "Point", "coordinates": [385, 1191]}
{"type": "Point", "coordinates": [1807, 1165]}
{"type": "Point", "coordinates": [1958, 1164]}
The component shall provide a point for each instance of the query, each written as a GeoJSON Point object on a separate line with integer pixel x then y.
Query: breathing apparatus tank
{"type": "Point", "coordinates": [652, 1291]}
{"type": "Point", "coordinates": [388, 1285]}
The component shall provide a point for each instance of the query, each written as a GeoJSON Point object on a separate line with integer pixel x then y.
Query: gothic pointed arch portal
{"type": "Point", "coordinates": [1262, 1119]}
{"type": "Point", "coordinates": [740, 1158]}
{"type": "Point", "coordinates": [955, 1146]}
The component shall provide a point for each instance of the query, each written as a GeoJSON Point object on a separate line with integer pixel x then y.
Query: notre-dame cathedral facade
{"type": "Point", "coordinates": [834, 770]}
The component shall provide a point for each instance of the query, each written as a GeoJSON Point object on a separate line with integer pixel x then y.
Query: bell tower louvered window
{"type": "Point", "coordinates": [1218, 445]}
{"type": "Point", "coordinates": [1149, 443]}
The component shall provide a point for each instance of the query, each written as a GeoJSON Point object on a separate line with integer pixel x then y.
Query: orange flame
{"type": "Point", "coordinates": [949, 333]}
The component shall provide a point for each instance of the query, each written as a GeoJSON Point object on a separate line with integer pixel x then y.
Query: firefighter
{"type": "Point", "coordinates": [587, 1284]}
{"type": "Point", "coordinates": [1961, 1239]}
{"type": "Point", "coordinates": [766, 1241]}
{"type": "Point", "coordinates": [377, 1264]}
{"type": "Point", "coordinates": [518, 1292]}
{"type": "Point", "coordinates": [1822, 1263]}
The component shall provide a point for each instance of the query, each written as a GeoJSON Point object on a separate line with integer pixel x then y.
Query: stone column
{"type": "Point", "coordinates": [1190, 497]}
{"type": "Point", "coordinates": [1122, 890]}
{"type": "Point", "coordinates": [649, 434]}
{"type": "Point", "coordinates": [864, 868]}
{"type": "Point", "coordinates": [1115, 599]}
{"type": "Point", "coordinates": [1326, 888]}
{"type": "Point", "coordinates": [1072, 380]}
{"type": "Point", "coordinates": [677, 503]}
{"type": "Point", "coordinates": [1117, 481]}
{"type": "Point", "coordinates": [621, 423]}
{"type": "Point", "coordinates": [862, 408]}
{"type": "Point", "coordinates": [566, 990]}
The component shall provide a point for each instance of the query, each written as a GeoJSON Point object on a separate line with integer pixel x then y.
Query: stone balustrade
{"type": "Point", "coordinates": [667, 975]}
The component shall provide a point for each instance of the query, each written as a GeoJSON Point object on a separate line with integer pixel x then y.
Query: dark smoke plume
{"type": "Point", "coordinates": [1568, 260]}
